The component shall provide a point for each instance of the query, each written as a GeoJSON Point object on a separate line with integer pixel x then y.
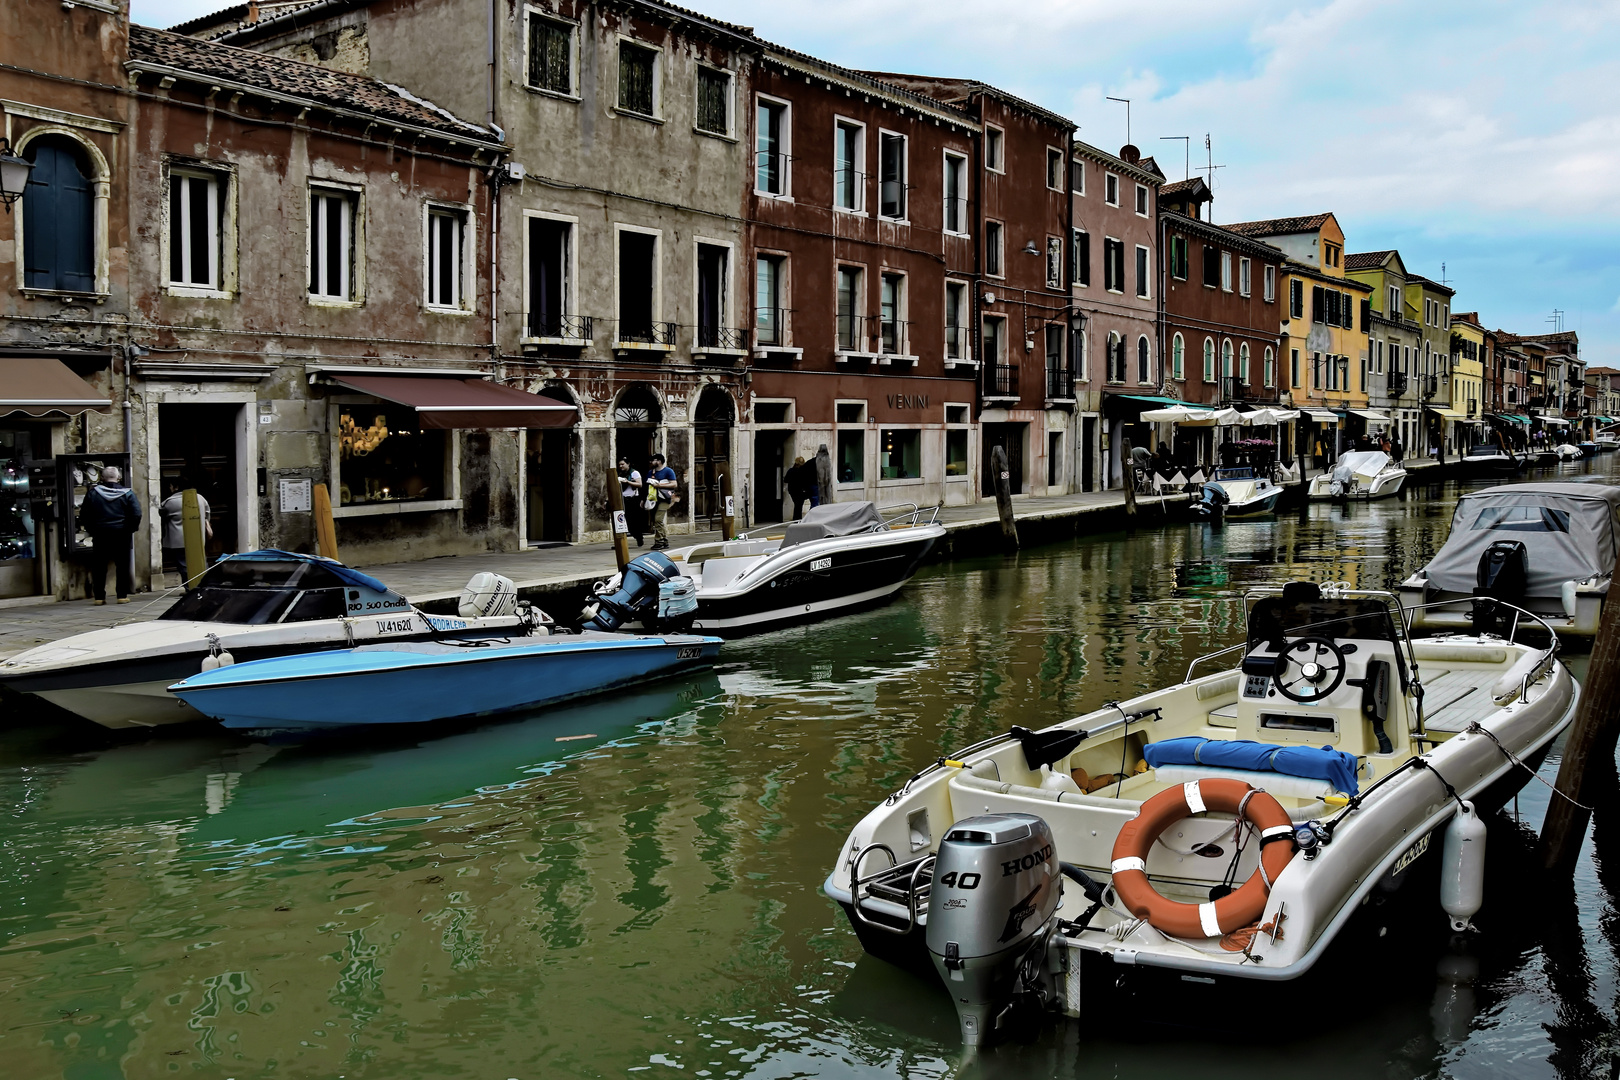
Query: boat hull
{"type": "Point", "coordinates": [1257, 507]}
{"type": "Point", "coordinates": [397, 686]}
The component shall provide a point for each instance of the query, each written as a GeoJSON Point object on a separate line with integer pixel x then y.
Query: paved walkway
{"type": "Point", "coordinates": [536, 571]}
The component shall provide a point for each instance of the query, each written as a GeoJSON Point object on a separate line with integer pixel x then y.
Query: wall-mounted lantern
{"type": "Point", "coordinates": [14, 172]}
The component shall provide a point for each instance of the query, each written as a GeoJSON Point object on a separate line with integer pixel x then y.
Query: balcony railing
{"type": "Point", "coordinates": [1001, 380]}
{"type": "Point", "coordinates": [557, 327]}
{"type": "Point", "coordinates": [1059, 384]}
{"type": "Point", "coordinates": [1429, 385]}
{"type": "Point", "coordinates": [1397, 383]}
{"type": "Point", "coordinates": [956, 344]}
{"type": "Point", "coordinates": [723, 338]}
{"type": "Point", "coordinates": [894, 336]}
{"type": "Point", "coordinates": [849, 188]}
{"type": "Point", "coordinates": [770, 327]}
{"type": "Point", "coordinates": [770, 172]}
{"type": "Point", "coordinates": [646, 333]}
{"type": "Point", "coordinates": [1575, 402]}
{"type": "Point", "coordinates": [956, 215]}
{"type": "Point", "coordinates": [854, 333]}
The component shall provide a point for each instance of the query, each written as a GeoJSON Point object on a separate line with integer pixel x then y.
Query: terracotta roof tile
{"type": "Point", "coordinates": [1367, 260]}
{"type": "Point", "coordinates": [1280, 226]}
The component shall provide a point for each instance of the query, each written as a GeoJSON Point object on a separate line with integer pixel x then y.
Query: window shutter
{"type": "Point", "coordinates": [1366, 313]}
{"type": "Point", "coordinates": [1318, 304]}
{"type": "Point", "coordinates": [1084, 245]}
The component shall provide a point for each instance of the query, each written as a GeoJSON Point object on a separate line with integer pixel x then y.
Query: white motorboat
{"type": "Point", "coordinates": [252, 606]}
{"type": "Point", "coordinates": [1360, 474]}
{"type": "Point", "coordinates": [1569, 452]}
{"type": "Point", "coordinates": [840, 556]}
{"type": "Point", "coordinates": [1238, 493]}
{"type": "Point", "coordinates": [1221, 831]}
{"type": "Point", "coordinates": [1606, 441]}
{"type": "Point", "coordinates": [1488, 457]}
{"type": "Point", "coordinates": [1549, 548]}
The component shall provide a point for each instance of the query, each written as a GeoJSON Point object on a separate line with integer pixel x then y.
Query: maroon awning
{"type": "Point", "coordinates": [43, 387]}
{"type": "Point", "coordinates": [443, 402]}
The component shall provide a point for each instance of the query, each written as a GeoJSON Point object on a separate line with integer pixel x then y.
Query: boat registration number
{"type": "Point", "coordinates": [821, 564]}
{"type": "Point", "coordinates": [691, 652]}
{"type": "Point", "coordinates": [1411, 855]}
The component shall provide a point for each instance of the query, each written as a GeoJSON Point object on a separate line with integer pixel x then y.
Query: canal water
{"type": "Point", "coordinates": [631, 886]}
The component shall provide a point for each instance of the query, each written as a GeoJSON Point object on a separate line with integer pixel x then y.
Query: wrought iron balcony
{"type": "Point", "coordinates": [1575, 402]}
{"type": "Point", "coordinates": [1059, 384]}
{"type": "Point", "coordinates": [894, 337]}
{"type": "Point", "coordinates": [726, 338]}
{"type": "Point", "coordinates": [1429, 386]}
{"type": "Point", "coordinates": [557, 329]}
{"type": "Point", "coordinates": [770, 327]}
{"type": "Point", "coordinates": [1001, 380]}
{"type": "Point", "coordinates": [1397, 383]}
{"type": "Point", "coordinates": [650, 335]}
{"type": "Point", "coordinates": [854, 333]}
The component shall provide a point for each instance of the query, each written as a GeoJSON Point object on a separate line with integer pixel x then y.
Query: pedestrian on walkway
{"type": "Point", "coordinates": [172, 511]}
{"type": "Point", "coordinates": [111, 514]}
{"type": "Point", "coordinates": [1398, 450]}
{"type": "Point", "coordinates": [630, 486]}
{"type": "Point", "coordinates": [663, 482]}
{"type": "Point", "coordinates": [801, 485]}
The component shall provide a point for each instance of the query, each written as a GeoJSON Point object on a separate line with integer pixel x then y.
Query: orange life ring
{"type": "Point", "coordinates": [1230, 912]}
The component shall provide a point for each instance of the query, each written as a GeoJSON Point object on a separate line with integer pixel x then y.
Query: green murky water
{"type": "Point", "coordinates": [631, 886]}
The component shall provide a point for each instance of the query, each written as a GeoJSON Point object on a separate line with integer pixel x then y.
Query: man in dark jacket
{"type": "Point", "coordinates": [110, 514]}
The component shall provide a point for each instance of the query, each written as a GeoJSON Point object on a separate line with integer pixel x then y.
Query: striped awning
{"type": "Point", "coordinates": [43, 387]}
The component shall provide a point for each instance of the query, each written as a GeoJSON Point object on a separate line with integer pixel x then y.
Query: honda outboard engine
{"type": "Point", "coordinates": [1504, 572]}
{"type": "Point", "coordinates": [990, 911]}
{"type": "Point", "coordinates": [651, 589]}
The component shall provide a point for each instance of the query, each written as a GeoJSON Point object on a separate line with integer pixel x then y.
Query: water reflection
{"type": "Point", "coordinates": [507, 899]}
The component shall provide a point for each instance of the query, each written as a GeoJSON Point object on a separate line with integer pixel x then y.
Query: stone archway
{"type": "Point", "coordinates": [637, 416]}
{"type": "Point", "coordinates": [713, 422]}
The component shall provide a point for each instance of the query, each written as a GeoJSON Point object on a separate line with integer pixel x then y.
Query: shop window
{"type": "Point", "coordinates": [900, 453]}
{"type": "Point", "coordinates": [851, 456]}
{"type": "Point", "coordinates": [384, 455]}
{"type": "Point", "coordinates": [16, 510]}
{"type": "Point", "coordinates": [956, 452]}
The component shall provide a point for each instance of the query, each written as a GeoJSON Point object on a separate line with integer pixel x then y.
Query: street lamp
{"type": "Point", "coordinates": [13, 175]}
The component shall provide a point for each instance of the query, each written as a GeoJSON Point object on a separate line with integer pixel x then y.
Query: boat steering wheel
{"type": "Point", "coordinates": [1313, 664]}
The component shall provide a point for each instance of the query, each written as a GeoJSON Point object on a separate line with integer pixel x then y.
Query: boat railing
{"type": "Point", "coordinates": [918, 874]}
{"type": "Point", "coordinates": [907, 519]}
{"type": "Point", "coordinates": [1211, 656]}
{"type": "Point", "coordinates": [1533, 674]}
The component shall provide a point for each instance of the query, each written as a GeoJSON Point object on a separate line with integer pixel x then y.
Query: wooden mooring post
{"type": "Point", "coordinates": [1589, 751]}
{"type": "Point", "coordinates": [621, 525]}
{"type": "Point", "coordinates": [728, 507]}
{"type": "Point", "coordinates": [1004, 507]}
{"type": "Point", "coordinates": [1127, 470]}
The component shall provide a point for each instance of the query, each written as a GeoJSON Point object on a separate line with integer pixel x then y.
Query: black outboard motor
{"type": "Point", "coordinates": [991, 909]}
{"type": "Point", "coordinates": [1213, 504]}
{"type": "Point", "coordinates": [651, 589]}
{"type": "Point", "coordinates": [1504, 573]}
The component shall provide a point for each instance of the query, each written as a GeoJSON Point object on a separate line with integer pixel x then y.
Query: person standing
{"type": "Point", "coordinates": [663, 482]}
{"type": "Point", "coordinates": [172, 512]}
{"type": "Point", "coordinates": [800, 479]}
{"type": "Point", "coordinates": [635, 515]}
{"type": "Point", "coordinates": [110, 514]}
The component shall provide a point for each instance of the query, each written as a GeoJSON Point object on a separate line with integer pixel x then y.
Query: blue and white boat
{"type": "Point", "coordinates": [420, 681]}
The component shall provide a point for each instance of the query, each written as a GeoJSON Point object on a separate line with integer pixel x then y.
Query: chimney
{"type": "Point", "coordinates": [1130, 154]}
{"type": "Point", "coordinates": [252, 12]}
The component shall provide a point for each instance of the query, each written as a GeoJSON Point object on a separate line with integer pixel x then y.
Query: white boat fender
{"type": "Point", "coordinates": [1462, 867]}
{"type": "Point", "coordinates": [218, 656]}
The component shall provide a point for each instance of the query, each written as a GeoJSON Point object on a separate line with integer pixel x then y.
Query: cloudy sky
{"type": "Point", "coordinates": [1482, 136]}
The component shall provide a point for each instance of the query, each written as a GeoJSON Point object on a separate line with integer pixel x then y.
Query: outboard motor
{"type": "Point", "coordinates": [990, 911]}
{"type": "Point", "coordinates": [1343, 481]}
{"type": "Point", "coordinates": [1504, 571]}
{"type": "Point", "coordinates": [651, 589]}
{"type": "Point", "coordinates": [487, 595]}
{"type": "Point", "coordinates": [1213, 504]}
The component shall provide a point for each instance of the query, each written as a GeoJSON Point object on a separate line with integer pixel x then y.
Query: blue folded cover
{"type": "Point", "coordinates": [1315, 763]}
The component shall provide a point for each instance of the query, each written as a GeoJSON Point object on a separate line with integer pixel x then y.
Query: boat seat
{"type": "Point", "coordinates": [1225, 716]}
{"type": "Point", "coordinates": [1294, 787]}
{"type": "Point", "coordinates": [1454, 699]}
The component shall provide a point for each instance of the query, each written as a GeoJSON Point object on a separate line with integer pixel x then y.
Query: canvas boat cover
{"type": "Point", "coordinates": [1313, 763]}
{"type": "Point", "coordinates": [1568, 531]}
{"type": "Point", "coordinates": [833, 519]}
{"type": "Point", "coordinates": [346, 574]}
{"type": "Point", "coordinates": [1368, 463]}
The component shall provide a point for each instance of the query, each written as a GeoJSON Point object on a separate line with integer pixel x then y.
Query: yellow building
{"type": "Point", "coordinates": [1465, 416]}
{"type": "Point", "coordinates": [1324, 334]}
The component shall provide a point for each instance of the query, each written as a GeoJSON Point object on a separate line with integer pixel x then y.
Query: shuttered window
{"type": "Point", "coordinates": [331, 244]}
{"type": "Point", "coordinates": [59, 217]}
{"type": "Point", "coordinates": [551, 55]}
{"type": "Point", "coordinates": [636, 68]}
{"type": "Point", "coordinates": [195, 202]}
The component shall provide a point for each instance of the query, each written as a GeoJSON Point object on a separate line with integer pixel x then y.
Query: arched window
{"type": "Point", "coordinates": [1209, 360]}
{"type": "Point", "coordinates": [1144, 362]}
{"type": "Point", "coordinates": [1116, 357]}
{"type": "Point", "coordinates": [59, 217]}
{"type": "Point", "coordinates": [1226, 359]}
{"type": "Point", "coordinates": [1178, 358]}
{"type": "Point", "coordinates": [1243, 363]}
{"type": "Point", "coordinates": [1271, 367]}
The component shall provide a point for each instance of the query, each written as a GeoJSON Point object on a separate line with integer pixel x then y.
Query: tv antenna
{"type": "Point", "coordinates": [1186, 153]}
{"type": "Point", "coordinates": [1557, 320]}
{"type": "Point", "coordinates": [1210, 168]}
{"type": "Point", "coordinates": [1127, 103]}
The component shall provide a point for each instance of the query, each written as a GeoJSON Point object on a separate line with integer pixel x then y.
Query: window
{"type": "Point", "coordinates": [550, 284]}
{"type": "Point", "coordinates": [1445, 316]}
{"type": "Point", "coordinates": [1080, 260]}
{"type": "Point", "coordinates": [1144, 361]}
{"type": "Point", "coordinates": [993, 149]}
{"type": "Point", "coordinates": [1243, 277]}
{"type": "Point", "coordinates": [1270, 278]}
{"type": "Point", "coordinates": [1296, 303]}
{"type": "Point", "coordinates": [1243, 363]}
{"type": "Point", "coordinates": [551, 55]}
{"type": "Point", "coordinates": [1212, 267]}
{"type": "Point", "coordinates": [714, 298]}
{"type": "Point", "coordinates": [1178, 258]}
{"type": "Point", "coordinates": [59, 217]}
{"type": "Point", "coordinates": [1226, 359]}
{"type": "Point", "coordinates": [1270, 370]}
{"type": "Point", "coordinates": [1394, 302]}
{"type": "Point", "coordinates": [770, 150]}
{"type": "Point", "coordinates": [638, 67]}
{"type": "Point", "coordinates": [1110, 189]}
{"type": "Point", "coordinates": [1318, 304]}
{"type": "Point", "coordinates": [1293, 365]}
{"type": "Point", "coordinates": [992, 248]}
{"type": "Point", "coordinates": [770, 320]}
{"type": "Point", "coordinates": [955, 193]}
{"type": "Point", "coordinates": [892, 175]}
{"type": "Point", "coordinates": [849, 166]}
{"type": "Point", "coordinates": [992, 336]}
{"type": "Point", "coordinates": [1226, 271]}
{"type": "Point", "coordinates": [1058, 384]}
{"type": "Point", "coordinates": [1054, 262]}
{"type": "Point", "coordinates": [1116, 358]}
{"type": "Point", "coordinates": [955, 320]}
{"type": "Point", "coordinates": [1178, 358]}
{"type": "Point", "coordinates": [1054, 169]}
{"type": "Point", "coordinates": [851, 443]}
{"type": "Point", "coordinates": [638, 285]}
{"type": "Point", "coordinates": [1209, 360]}
{"type": "Point", "coordinates": [446, 255]}
{"type": "Point", "coordinates": [196, 222]}
{"type": "Point", "coordinates": [1330, 254]}
{"type": "Point", "coordinates": [1142, 282]}
{"type": "Point", "coordinates": [1077, 176]}
{"type": "Point", "coordinates": [331, 244]}
{"type": "Point", "coordinates": [1141, 201]}
{"type": "Point", "coordinates": [384, 455]}
{"type": "Point", "coordinates": [892, 313]}
{"type": "Point", "coordinates": [899, 454]}
{"type": "Point", "coordinates": [956, 449]}
{"type": "Point", "coordinates": [1113, 265]}
{"type": "Point", "coordinates": [850, 324]}
{"type": "Point", "coordinates": [714, 101]}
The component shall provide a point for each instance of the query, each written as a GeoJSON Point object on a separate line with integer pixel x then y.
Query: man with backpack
{"type": "Point", "coordinates": [662, 482]}
{"type": "Point", "coordinates": [111, 514]}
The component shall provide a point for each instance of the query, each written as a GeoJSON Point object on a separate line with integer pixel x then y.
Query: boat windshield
{"type": "Point", "coordinates": [1274, 618]}
{"type": "Point", "coordinates": [1522, 518]}
{"type": "Point", "coordinates": [1483, 451]}
{"type": "Point", "coordinates": [259, 591]}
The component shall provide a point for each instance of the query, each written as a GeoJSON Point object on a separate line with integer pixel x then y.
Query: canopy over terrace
{"type": "Point", "coordinates": [453, 402]}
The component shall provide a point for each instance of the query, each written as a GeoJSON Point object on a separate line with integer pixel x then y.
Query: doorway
{"type": "Point", "coordinates": [711, 455]}
{"type": "Point", "coordinates": [549, 468]}
{"type": "Point", "coordinates": [197, 448]}
{"type": "Point", "coordinates": [21, 538]}
{"type": "Point", "coordinates": [770, 466]}
{"type": "Point", "coordinates": [1088, 453]}
{"type": "Point", "coordinates": [1054, 460]}
{"type": "Point", "coordinates": [1010, 437]}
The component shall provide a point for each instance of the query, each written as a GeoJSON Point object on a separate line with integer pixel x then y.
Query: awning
{"type": "Point", "coordinates": [1321, 416]}
{"type": "Point", "coordinates": [464, 403]}
{"type": "Point", "coordinates": [1268, 417]}
{"type": "Point", "coordinates": [1372, 414]}
{"type": "Point", "coordinates": [1555, 421]}
{"type": "Point", "coordinates": [1453, 415]}
{"type": "Point", "coordinates": [1145, 399]}
{"type": "Point", "coordinates": [1511, 418]}
{"type": "Point", "coordinates": [44, 387]}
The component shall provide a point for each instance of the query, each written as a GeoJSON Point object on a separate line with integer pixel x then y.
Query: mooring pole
{"type": "Point", "coordinates": [325, 527]}
{"type": "Point", "coordinates": [1003, 479]}
{"type": "Point", "coordinates": [1127, 470]}
{"type": "Point", "coordinates": [621, 526]}
{"type": "Point", "coordinates": [1589, 751]}
{"type": "Point", "coordinates": [728, 507]}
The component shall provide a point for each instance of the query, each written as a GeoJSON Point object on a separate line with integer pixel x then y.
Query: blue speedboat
{"type": "Point", "coordinates": [416, 682]}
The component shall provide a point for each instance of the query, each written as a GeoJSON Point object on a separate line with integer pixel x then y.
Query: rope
{"type": "Point", "coordinates": [1476, 728]}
